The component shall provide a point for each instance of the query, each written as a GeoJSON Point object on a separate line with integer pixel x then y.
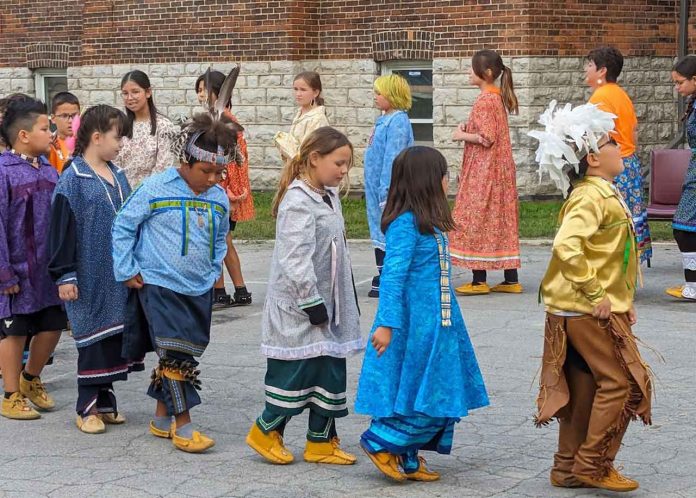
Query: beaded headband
{"type": "Point", "coordinates": [220, 157]}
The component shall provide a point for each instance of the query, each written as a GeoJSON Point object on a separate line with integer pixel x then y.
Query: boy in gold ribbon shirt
{"type": "Point", "coordinates": [593, 379]}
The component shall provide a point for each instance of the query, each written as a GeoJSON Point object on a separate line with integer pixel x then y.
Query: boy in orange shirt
{"type": "Point", "coordinates": [65, 107]}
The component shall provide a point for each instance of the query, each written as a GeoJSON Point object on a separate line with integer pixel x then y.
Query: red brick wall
{"type": "Point", "coordinates": [127, 31]}
{"type": "Point", "coordinates": [194, 30]}
{"type": "Point", "coordinates": [515, 27]}
{"type": "Point", "coordinates": [23, 22]}
{"type": "Point", "coordinates": [573, 27]}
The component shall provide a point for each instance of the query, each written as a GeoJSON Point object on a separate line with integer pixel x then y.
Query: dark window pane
{"type": "Point", "coordinates": [421, 82]}
{"type": "Point", "coordinates": [423, 133]}
{"type": "Point", "coordinates": [416, 77]}
{"type": "Point", "coordinates": [422, 106]}
{"type": "Point", "coordinates": [52, 86]}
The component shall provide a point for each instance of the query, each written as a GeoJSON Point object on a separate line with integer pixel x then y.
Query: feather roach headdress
{"type": "Point", "coordinates": [569, 134]}
{"type": "Point", "coordinates": [185, 145]}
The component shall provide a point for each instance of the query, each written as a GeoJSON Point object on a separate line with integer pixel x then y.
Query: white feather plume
{"type": "Point", "coordinates": [568, 134]}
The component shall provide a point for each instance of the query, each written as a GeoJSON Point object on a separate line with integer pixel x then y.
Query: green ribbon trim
{"type": "Point", "coordinates": [187, 206]}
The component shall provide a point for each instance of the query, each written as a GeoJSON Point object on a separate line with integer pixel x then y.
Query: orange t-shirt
{"type": "Point", "coordinates": [59, 154]}
{"type": "Point", "coordinates": [614, 99]}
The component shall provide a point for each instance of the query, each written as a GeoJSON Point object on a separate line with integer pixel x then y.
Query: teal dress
{"type": "Point", "coordinates": [428, 377]}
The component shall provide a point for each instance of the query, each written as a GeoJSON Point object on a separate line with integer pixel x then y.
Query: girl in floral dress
{"type": "Point", "coordinates": [486, 211]}
{"type": "Point", "coordinates": [146, 147]}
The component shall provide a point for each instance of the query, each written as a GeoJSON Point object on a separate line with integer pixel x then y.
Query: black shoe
{"type": "Point", "coordinates": [374, 291]}
{"type": "Point", "coordinates": [242, 297]}
{"type": "Point", "coordinates": [222, 301]}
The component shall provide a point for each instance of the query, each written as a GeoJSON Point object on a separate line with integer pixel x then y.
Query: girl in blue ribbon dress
{"type": "Point", "coordinates": [420, 374]}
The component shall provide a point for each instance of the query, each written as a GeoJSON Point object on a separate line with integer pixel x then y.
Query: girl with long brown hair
{"type": "Point", "coordinates": [420, 373]}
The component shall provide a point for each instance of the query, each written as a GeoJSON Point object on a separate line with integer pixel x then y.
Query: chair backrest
{"type": "Point", "coordinates": [667, 173]}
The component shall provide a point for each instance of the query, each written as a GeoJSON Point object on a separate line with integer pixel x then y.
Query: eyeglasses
{"type": "Point", "coordinates": [611, 141]}
{"type": "Point", "coordinates": [67, 117]}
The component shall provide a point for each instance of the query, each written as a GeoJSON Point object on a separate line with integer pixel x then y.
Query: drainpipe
{"type": "Point", "coordinates": [682, 49]}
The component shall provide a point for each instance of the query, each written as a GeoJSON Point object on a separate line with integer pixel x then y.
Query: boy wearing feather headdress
{"type": "Point", "coordinates": [168, 247]}
{"type": "Point", "coordinates": [593, 379]}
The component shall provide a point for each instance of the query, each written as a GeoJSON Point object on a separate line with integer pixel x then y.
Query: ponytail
{"type": "Point", "coordinates": [507, 90]}
{"type": "Point", "coordinates": [488, 65]}
{"type": "Point", "coordinates": [323, 141]}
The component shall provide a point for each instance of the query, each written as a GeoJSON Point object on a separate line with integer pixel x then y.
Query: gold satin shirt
{"type": "Point", "coordinates": [594, 252]}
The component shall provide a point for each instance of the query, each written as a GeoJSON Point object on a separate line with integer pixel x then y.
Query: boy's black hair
{"type": "Point", "coordinates": [61, 98]}
{"type": "Point", "coordinates": [20, 114]}
{"type": "Point", "coordinates": [5, 101]}
{"type": "Point", "coordinates": [212, 133]}
{"type": "Point", "coordinates": [574, 177]}
{"type": "Point", "coordinates": [610, 58]}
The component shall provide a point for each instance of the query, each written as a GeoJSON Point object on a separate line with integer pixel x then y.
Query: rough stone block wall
{"type": "Point", "coordinates": [263, 101]}
{"type": "Point", "coordinates": [16, 79]}
{"type": "Point", "coordinates": [174, 40]}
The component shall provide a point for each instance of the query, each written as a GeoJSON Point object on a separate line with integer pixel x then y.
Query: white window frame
{"type": "Point", "coordinates": [40, 84]}
{"type": "Point", "coordinates": [388, 67]}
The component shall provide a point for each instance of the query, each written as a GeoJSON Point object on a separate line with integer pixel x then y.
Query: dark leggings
{"type": "Point", "coordinates": [379, 259]}
{"type": "Point", "coordinates": [687, 243]}
{"type": "Point", "coordinates": [510, 276]}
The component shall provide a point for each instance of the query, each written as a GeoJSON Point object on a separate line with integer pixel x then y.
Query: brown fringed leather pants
{"type": "Point", "coordinates": [594, 381]}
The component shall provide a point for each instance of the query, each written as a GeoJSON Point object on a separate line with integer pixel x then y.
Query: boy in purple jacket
{"type": "Point", "coordinates": [29, 303]}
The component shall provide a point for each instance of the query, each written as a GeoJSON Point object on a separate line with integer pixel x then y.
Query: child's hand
{"type": "Point", "coordinates": [381, 339]}
{"type": "Point", "coordinates": [68, 292]}
{"type": "Point", "coordinates": [11, 290]}
{"type": "Point", "coordinates": [135, 282]}
{"type": "Point", "coordinates": [632, 316]}
{"type": "Point", "coordinates": [460, 133]}
{"type": "Point", "coordinates": [481, 140]}
{"type": "Point", "coordinates": [603, 309]}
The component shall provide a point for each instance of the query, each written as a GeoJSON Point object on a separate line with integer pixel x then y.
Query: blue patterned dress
{"type": "Point", "coordinates": [685, 215]}
{"type": "Point", "coordinates": [428, 377]}
{"type": "Point", "coordinates": [630, 184]}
